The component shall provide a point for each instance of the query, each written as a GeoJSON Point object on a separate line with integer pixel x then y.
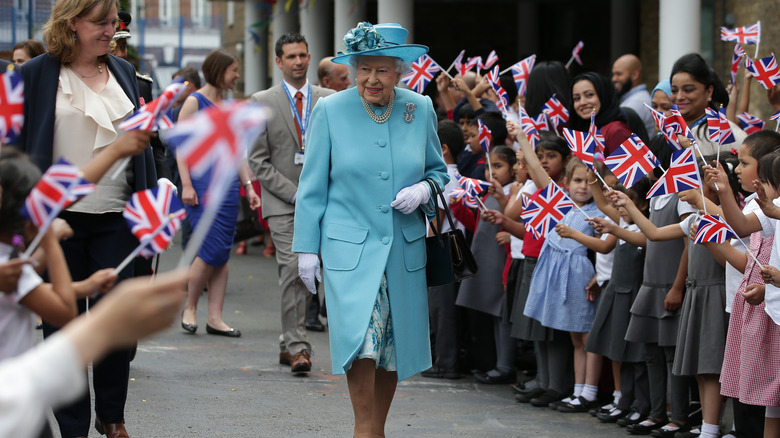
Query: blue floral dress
{"type": "Point", "coordinates": [557, 294]}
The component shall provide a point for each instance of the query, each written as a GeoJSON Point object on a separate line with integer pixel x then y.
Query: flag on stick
{"type": "Point", "coordinates": [750, 123]}
{"type": "Point", "coordinates": [155, 114]}
{"type": "Point", "coordinates": [581, 144]}
{"type": "Point", "coordinates": [60, 186]}
{"type": "Point", "coordinates": [11, 106]}
{"type": "Point", "coordinates": [776, 116]}
{"type": "Point", "coordinates": [154, 216]}
{"type": "Point", "coordinates": [575, 54]}
{"type": "Point", "coordinates": [556, 111]}
{"type": "Point", "coordinates": [491, 59]}
{"type": "Point", "coordinates": [765, 70]}
{"type": "Point", "coordinates": [529, 127]}
{"type": "Point", "coordinates": [423, 70]}
{"type": "Point", "coordinates": [683, 174]}
{"type": "Point", "coordinates": [736, 60]}
{"type": "Point", "coordinates": [215, 140]}
{"type": "Point", "coordinates": [742, 35]}
{"type": "Point", "coordinates": [520, 72]}
{"type": "Point", "coordinates": [545, 209]}
{"type": "Point", "coordinates": [631, 161]}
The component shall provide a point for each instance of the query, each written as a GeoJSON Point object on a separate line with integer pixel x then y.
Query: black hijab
{"type": "Point", "coordinates": [610, 105]}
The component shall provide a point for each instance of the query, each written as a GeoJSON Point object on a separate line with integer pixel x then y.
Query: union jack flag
{"type": "Point", "coordinates": [154, 115]}
{"type": "Point", "coordinates": [582, 144]}
{"type": "Point", "coordinates": [545, 209]}
{"type": "Point", "coordinates": [674, 125]}
{"type": "Point", "coordinates": [520, 72]}
{"type": "Point", "coordinates": [750, 123]}
{"type": "Point", "coordinates": [713, 229]}
{"type": "Point", "coordinates": [736, 60]}
{"type": "Point", "coordinates": [503, 100]}
{"type": "Point", "coordinates": [11, 106]}
{"type": "Point", "coordinates": [718, 127]}
{"type": "Point", "coordinates": [492, 75]}
{"type": "Point", "coordinates": [658, 117]}
{"type": "Point", "coordinates": [154, 216]}
{"type": "Point", "coordinates": [557, 112]}
{"type": "Point", "coordinates": [742, 35]}
{"type": "Point", "coordinates": [458, 63]}
{"type": "Point", "coordinates": [468, 190]}
{"type": "Point", "coordinates": [475, 61]}
{"type": "Point", "coordinates": [529, 127]}
{"type": "Point", "coordinates": [485, 136]}
{"type": "Point", "coordinates": [491, 59]}
{"type": "Point", "coordinates": [598, 139]}
{"type": "Point", "coordinates": [683, 174]}
{"type": "Point", "coordinates": [217, 135]}
{"type": "Point", "coordinates": [575, 53]}
{"type": "Point", "coordinates": [631, 161]}
{"type": "Point", "coordinates": [765, 70]}
{"type": "Point", "coordinates": [776, 116]}
{"type": "Point", "coordinates": [422, 73]}
{"type": "Point", "coordinates": [60, 186]}
{"type": "Point", "coordinates": [540, 121]}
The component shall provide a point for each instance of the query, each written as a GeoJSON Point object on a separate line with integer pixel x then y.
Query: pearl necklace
{"type": "Point", "coordinates": [385, 116]}
{"type": "Point", "coordinates": [99, 67]}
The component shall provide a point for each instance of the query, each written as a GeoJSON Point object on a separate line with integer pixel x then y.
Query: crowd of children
{"type": "Point", "coordinates": [626, 317]}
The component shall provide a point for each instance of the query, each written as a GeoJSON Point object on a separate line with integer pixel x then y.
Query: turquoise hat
{"type": "Point", "coordinates": [386, 39]}
{"type": "Point", "coordinates": [665, 86]}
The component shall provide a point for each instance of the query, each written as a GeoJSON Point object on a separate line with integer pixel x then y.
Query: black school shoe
{"type": "Point", "coordinates": [545, 399]}
{"type": "Point", "coordinates": [583, 406]}
{"type": "Point", "coordinates": [632, 417]}
{"type": "Point", "coordinates": [613, 416]}
{"type": "Point", "coordinates": [646, 426]}
{"type": "Point", "coordinates": [528, 396]}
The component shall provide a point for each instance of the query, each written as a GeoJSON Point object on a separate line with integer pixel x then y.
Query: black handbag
{"type": "Point", "coordinates": [449, 257]}
{"type": "Point", "coordinates": [248, 224]}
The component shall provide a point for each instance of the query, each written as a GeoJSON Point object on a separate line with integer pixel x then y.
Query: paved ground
{"type": "Point", "coordinates": [209, 386]}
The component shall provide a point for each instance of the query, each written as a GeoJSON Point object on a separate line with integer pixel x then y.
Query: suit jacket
{"type": "Point", "coordinates": [353, 170]}
{"type": "Point", "coordinates": [41, 80]}
{"type": "Point", "coordinates": [272, 159]}
{"type": "Point", "coordinates": [158, 147]}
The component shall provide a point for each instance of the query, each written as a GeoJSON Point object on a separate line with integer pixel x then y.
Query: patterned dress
{"type": "Point", "coordinates": [751, 364]}
{"type": "Point", "coordinates": [557, 294]}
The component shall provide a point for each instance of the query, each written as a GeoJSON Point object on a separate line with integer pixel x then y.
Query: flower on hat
{"type": "Point", "coordinates": [363, 37]}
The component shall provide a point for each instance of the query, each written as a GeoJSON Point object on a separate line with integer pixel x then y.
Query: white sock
{"type": "Point", "coordinates": [709, 431]}
{"type": "Point", "coordinates": [616, 397]}
{"type": "Point", "coordinates": [589, 392]}
{"type": "Point", "coordinates": [578, 389]}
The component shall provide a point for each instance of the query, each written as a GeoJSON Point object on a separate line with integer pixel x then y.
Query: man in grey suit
{"type": "Point", "coordinates": [277, 160]}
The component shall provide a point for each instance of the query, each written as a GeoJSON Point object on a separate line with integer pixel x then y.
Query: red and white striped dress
{"type": "Point", "coordinates": [751, 364]}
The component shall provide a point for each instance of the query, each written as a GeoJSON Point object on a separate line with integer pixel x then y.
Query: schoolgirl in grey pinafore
{"type": "Point", "coordinates": [607, 336]}
{"type": "Point", "coordinates": [485, 291]}
{"type": "Point", "coordinates": [650, 322]}
{"type": "Point", "coordinates": [701, 341]}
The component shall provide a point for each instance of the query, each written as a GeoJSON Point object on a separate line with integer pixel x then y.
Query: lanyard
{"type": "Point", "coordinates": [297, 116]}
{"type": "Point", "coordinates": [696, 123]}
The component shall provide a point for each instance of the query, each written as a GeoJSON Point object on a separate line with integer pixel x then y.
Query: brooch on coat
{"type": "Point", "coordinates": [408, 115]}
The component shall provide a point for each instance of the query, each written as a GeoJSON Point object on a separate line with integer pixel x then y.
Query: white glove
{"type": "Point", "coordinates": [162, 181]}
{"type": "Point", "coordinates": [409, 198]}
{"type": "Point", "coordinates": [308, 270]}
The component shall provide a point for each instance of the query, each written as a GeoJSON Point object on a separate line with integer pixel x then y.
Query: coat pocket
{"type": "Point", "coordinates": [414, 246]}
{"type": "Point", "coordinates": [344, 246]}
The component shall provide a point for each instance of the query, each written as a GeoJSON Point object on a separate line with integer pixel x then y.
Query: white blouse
{"type": "Point", "coordinates": [82, 115]}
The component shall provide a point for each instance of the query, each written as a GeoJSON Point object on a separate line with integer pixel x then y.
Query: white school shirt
{"type": "Point", "coordinates": [604, 261]}
{"type": "Point", "coordinates": [17, 334]}
{"type": "Point", "coordinates": [733, 276]}
{"type": "Point", "coordinates": [516, 244]}
{"type": "Point", "coordinates": [772, 294]}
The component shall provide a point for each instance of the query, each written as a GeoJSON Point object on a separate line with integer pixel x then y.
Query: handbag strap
{"type": "Point", "coordinates": [437, 193]}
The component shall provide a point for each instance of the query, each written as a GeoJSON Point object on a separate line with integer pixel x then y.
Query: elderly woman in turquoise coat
{"type": "Point", "coordinates": [362, 204]}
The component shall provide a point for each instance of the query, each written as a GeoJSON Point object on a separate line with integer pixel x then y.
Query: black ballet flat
{"type": "Point", "coordinates": [189, 328]}
{"type": "Point", "coordinates": [232, 333]}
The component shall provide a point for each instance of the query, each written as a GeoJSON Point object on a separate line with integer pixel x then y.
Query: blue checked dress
{"type": "Point", "coordinates": [557, 294]}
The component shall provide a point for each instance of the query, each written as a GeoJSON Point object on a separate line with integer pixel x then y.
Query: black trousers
{"type": "Point", "coordinates": [99, 241]}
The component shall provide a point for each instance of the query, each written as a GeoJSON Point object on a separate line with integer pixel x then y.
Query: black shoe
{"type": "Point", "coordinates": [526, 387]}
{"type": "Point", "coordinates": [189, 328]}
{"type": "Point", "coordinates": [602, 409]}
{"type": "Point", "coordinates": [665, 432]}
{"type": "Point", "coordinates": [545, 399]}
{"type": "Point", "coordinates": [232, 333]}
{"type": "Point", "coordinates": [503, 378]}
{"type": "Point", "coordinates": [528, 396]}
{"type": "Point", "coordinates": [583, 406]}
{"type": "Point", "coordinates": [632, 417]}
{"type": "Point", "coordinates": [612, 416]}
{"type": "Point", "coordinates": [554, 404]}
{"type": "Point", "coordinates": [645, 427]}
{"type": "Point", "coordinates": [314, 325]}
